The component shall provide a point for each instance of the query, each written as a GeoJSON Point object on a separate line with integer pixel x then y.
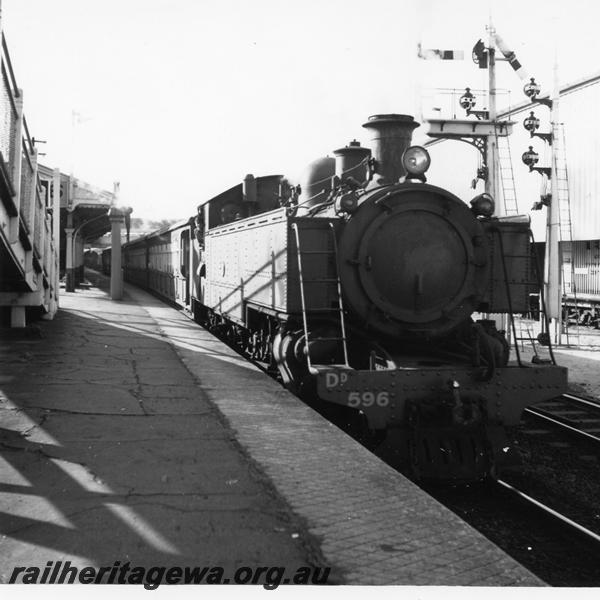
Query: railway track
{"type": "Point", "coordinates": [559, 444]}
{"type": "Point", "coordinates": [544, 513]}
{"type": "Point", "coordinates": [570, 413]}
{"type": "Point", "coordinates": [563, 519]}
{"type": "Point", "coordinates": [557, 549]}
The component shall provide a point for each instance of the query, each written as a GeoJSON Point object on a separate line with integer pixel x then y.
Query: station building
{"type": "Point", "coordinates": [45, 216]}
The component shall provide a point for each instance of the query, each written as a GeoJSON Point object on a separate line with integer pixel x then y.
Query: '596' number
{"type": "Point", "coordinates": [366, 399]}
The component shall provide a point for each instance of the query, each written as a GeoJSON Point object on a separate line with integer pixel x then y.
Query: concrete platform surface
{"type": "Point", "coordinates": [129, 434]}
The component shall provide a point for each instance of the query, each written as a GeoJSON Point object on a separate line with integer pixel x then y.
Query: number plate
{"type": "Point", "coordinates": [366, 399]}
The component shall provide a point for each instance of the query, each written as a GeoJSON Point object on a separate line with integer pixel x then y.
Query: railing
{"type": "Point", "coordinates": [27, 189]}
{"type": "Point", "coordinates": [9, 93]}
{"type": "Point", "coordinates": [25, 222]}
{"type": "Point", "coordinates": [40, 223]}
{"type": "Point", "coordinates": [48, 255]}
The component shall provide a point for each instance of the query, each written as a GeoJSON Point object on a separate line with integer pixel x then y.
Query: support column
{"type": "Point", "coordinates": [78, 257]}
{"type": "Point", "coordinates": [553, 260]}
{"type": "Point", "coordinates": [491, 183]}
{"type": "Point", "coordinates": [56, 238]}
{"type": "Point", "coordinates": [70, 275]}
{"type": "Point", "coordinates": [117, 220]}
{"type": "Point", "coordinates": [13, 228]}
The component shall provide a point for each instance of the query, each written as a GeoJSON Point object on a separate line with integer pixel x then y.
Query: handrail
{"type": "Point", "coordinates": [27, 154]}
{"type": "Point", "coordinates": [11, 73]}
{"type": "Point", "coordinates": [9, 91]}
{"type": "Point", "coordinates": [27, 137]}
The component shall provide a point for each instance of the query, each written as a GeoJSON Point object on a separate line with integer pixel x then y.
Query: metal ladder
{"type": "Point", "coordinates": [562, 183]}
{"type": "Point", "coordinates": [333, 311]}
{"type": "Point", "coordinates": [564, 212]}
{"type": "Point", "coordinates": [507, 178]}
{"type": "Point", "coordinates": [527, 332]}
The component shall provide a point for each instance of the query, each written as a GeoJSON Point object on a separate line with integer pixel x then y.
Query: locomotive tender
{"type": "Point", "coordinates": [362, 288]}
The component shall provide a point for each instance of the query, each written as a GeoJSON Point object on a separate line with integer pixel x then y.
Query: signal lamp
{"type": "Point", "coordinates": [532, 89]}
{"type": "Point", "coordinates": [467, 100]}
{"type": "Point", "coordinates": [531, 157]}
{"type": "Point", "coordinates": [416, 161]}
{"type": "Point", "coordinates": [483, 205]}
{"type": "Point", "coordinates": [480, 55]}
{"type": "Point", "coordinates": [531, 123]}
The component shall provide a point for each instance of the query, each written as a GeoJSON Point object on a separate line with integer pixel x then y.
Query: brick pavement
{"type": "Point", "coordinates": [110, 451]}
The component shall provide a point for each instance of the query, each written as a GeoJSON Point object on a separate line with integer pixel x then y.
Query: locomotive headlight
{"type": "Point", "coordinates": [416, 161]}
{"type": "Point", "coordinates": [483, 205]}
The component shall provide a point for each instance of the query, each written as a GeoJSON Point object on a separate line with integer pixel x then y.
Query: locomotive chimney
{"type": "Point", "coordinates": [391, 136]}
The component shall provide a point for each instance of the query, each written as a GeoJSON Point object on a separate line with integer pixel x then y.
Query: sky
{"type": "Point", "coordinates": [180, 99]}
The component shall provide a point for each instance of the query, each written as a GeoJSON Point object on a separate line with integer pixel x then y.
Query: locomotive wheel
{"type": "Point", "coordinates": [291, 370]}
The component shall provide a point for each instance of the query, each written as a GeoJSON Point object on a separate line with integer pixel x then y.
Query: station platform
{"type": "Point", "coordinates": [131, 436]}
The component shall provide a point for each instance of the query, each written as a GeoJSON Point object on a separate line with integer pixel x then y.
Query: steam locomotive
{"type": "Point", "coordinates": [366, 288]}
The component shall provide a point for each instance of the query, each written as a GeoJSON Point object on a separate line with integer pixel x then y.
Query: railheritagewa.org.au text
{"type": "Point", "coordinates": [152, 577]}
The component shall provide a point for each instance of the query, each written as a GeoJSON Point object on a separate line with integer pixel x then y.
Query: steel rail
{"type": "Point", "coordinates": [581, 400]}
{"type": "Point", "coordinates": [550, 511]}
{"type": "Point", "coordinates": [541, 415]}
